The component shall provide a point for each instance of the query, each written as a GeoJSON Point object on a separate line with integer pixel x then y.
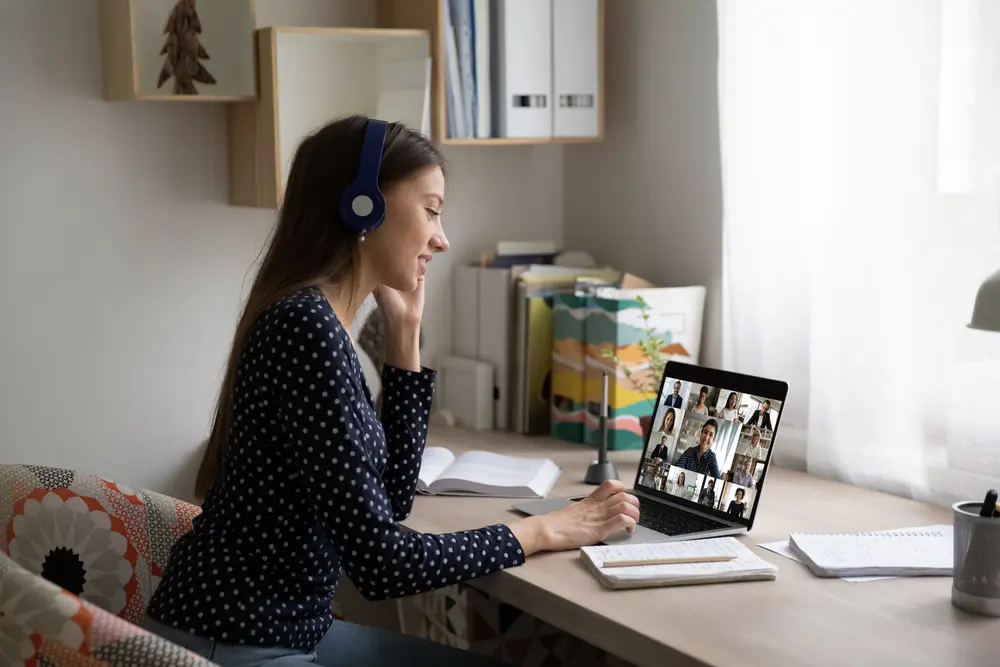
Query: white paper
{"type": "Point", "coordinates": [485, 473]}
{"type": "Point", "coordinates": [746, 562]}
{"type": "Point", "coordinates": [498, 470]}
{"type": "Point", "coordinates": [782, 549]}
{"type": "Point", "coordinates": [435, 461]}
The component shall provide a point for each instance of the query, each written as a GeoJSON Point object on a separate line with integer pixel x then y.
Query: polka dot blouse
{"type": "Point", "coordinates": [314, 484]}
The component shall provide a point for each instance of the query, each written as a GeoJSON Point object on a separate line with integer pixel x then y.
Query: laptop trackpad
{"type": "Point", "coordinates": [544, 506]}
{"type": "Point", "coordinates": [641, 535]}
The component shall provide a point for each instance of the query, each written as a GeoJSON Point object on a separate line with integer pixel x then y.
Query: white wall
{"type": "Point", "coordinates": [121, 263]}
{"type": "Point", "coordinates": [649, 198]}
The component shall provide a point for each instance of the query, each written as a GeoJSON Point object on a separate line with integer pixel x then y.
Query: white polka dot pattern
{"type": "Point", "coordinates": [315, 482]}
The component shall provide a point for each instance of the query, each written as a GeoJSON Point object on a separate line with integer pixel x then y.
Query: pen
{"type": "Point", "coordinates": [989, 507]}
{"type": "Point", "coordinates": [667, 561]}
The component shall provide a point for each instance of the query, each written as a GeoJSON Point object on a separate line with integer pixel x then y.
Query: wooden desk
{"type": "Point", "coordinates": [797, 620]}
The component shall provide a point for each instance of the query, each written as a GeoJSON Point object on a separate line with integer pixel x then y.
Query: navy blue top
{"type": "Point", "coordinates": [706, 465]}
{"type": "Point", "coordinates": [314, 484]}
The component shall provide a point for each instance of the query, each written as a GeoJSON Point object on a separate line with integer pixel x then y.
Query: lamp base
{"type": "Point", "coordinates": [599, 472]}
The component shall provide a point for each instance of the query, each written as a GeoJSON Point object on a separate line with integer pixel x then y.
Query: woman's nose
{"type": "Point", "coordinates": [439, 242]}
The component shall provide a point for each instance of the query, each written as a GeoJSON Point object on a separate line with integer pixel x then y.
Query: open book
{"type": "Point", "coordinates": [744, 565]}
{"type": "Point", "coordinates": [485, 474]}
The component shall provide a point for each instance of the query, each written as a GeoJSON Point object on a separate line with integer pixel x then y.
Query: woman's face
{"type": "Point", "coordinates": [701, 397]}
{"type": "Point", "coordinates": [732, 401]}
{"type": "Point", "coordinates": [668, 421]}
{"type": "Point", "coordinates": [707, 436]}
{"type": "Point", "coordinates": [396, 254]}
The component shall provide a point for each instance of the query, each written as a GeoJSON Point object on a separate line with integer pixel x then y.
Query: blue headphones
{"type": "Point", "coordinates": [362, 207]}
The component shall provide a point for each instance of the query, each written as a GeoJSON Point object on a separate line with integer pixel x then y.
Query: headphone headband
{"type": "Point", "coordinates": [362, 207]}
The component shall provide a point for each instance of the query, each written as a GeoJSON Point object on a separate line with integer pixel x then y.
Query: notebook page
{"type": "Point", "coordinates": [782, 548]}
{"type": "Point", "coordinates": [878, 550]}
{"type": "Point", "coordinates": [745, 561]}
{"type": "Point", "coordinates": [685, 549]}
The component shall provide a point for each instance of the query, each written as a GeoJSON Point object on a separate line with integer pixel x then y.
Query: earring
{"type": "Point", "coordinates": [361, 239]}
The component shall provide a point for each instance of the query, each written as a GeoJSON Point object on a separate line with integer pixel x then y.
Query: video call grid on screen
{"type": "Point", "coordinates": [710, 444]}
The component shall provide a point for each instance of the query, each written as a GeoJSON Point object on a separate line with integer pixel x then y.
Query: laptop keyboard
{"type": "Point", "coordinates": [672, 521]}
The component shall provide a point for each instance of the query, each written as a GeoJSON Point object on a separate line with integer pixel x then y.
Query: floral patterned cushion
{"type": "Point", "coordinates": [43, 624]}
{"type": "Point", "coordinates": [104, 542]}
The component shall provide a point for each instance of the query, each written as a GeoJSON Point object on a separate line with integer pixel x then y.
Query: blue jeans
{"type": "Point", "coordinates": [344, 644]}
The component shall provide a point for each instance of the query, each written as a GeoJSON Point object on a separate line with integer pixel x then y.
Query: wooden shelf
{"type": "Point", "coordinates": [309, 76]}
{"type": "Point", "coordinates": [141, 61]}
{"type": "Point", "coordinates": [428, 15]}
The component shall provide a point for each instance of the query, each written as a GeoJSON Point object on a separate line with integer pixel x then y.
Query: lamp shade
{"type": "Point", "coordinates": [986, 313]}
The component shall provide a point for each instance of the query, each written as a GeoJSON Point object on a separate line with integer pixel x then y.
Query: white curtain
{"type": "Point", "coordinates": [861, 208]}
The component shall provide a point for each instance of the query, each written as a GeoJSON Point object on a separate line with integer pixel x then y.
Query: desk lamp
{"type": "Point", "coordinates": [986, 312]}
{"type": "Point", "coordinates": [602, 469]}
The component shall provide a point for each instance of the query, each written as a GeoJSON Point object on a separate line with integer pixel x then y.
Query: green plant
{"type": "Point", "coordinates": [651, 346]}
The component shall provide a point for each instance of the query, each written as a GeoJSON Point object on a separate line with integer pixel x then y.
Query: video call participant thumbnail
{"type": "Point", "coordinates": [700, 458]}
{"type": "Point", "coordinates": [737, 506]}
{"type": "Point", "coordinates": [763, 416]}
{"type": "Point", "coordinates": [700, 407]}
{"type": "Point", "coordinates": [674, 399]}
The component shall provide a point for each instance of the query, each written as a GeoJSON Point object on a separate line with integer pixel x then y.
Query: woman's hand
{"type": "Point", "coordinates": [605, 511]}
{"type": "Point", "coordinates": [402, 312]}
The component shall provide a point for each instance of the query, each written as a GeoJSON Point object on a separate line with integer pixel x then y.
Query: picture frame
{"type": "Point", "coordinates": [178, 50]}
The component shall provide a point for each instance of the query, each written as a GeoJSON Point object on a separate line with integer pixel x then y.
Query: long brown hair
{"type": "Point", "coordinates": [309, 245]}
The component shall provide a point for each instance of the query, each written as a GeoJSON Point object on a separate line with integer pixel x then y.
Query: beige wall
{"type": "Point", "coordinates": [649, 197]}
{"type": "Point", "coordinates": [121, 263]}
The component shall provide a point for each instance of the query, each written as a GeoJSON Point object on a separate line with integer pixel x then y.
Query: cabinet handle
{"type": "Point", "coordinates": [582, 101]}
{"type": "Point", "coordinates": [534, 101]}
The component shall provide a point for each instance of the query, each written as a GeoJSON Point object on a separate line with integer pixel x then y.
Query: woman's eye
{"type": "Point", "coordinates": [432, 213]}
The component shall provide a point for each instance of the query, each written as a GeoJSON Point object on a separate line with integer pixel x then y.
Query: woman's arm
{"type": "Point", "coordinates": [407, 394]}
{"type": "Point", "coordinates": [327, 424]}
{"type": "Point", "coordinates": [406, 406]}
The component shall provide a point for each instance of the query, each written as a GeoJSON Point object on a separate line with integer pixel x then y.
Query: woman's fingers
{"type": "Point", "coordinates": [624, 508]}
{"type": "Point", "coordinates": [616, 523]}
{"type": "Point", "coordinates": [607, 489]}
{"type": "Point", "coordinates": [623, 497]}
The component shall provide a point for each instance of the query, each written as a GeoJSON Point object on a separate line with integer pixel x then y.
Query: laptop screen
{"type": "Point", "coordinates": [711, 439]}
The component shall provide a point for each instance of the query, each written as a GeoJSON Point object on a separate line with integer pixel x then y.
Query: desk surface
{"type": "Point", "coordinates": [797, 620]}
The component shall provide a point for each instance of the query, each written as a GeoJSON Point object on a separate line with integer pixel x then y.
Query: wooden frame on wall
{"type": "Point", "coordinates": [178, 50]}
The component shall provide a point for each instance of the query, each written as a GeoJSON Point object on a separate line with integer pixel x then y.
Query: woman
{"type": "Point", "coordinates": [302, 478]}
{"type": "Point", "coordinates": [679, 486]}
{"type": "Point", "coordinates": [667, 425]}
{"type": "Point", "coordinates": [737, 506]}
{"type": "Point", "coordinates": [729, 412]}
{"type": "Point", "coordinates": [700, 406]}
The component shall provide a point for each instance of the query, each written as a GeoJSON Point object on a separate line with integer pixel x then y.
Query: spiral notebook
{"type": "Point", "coordinates": [916, 553]}
{"type": "Point", "coordinates": [742, 564]}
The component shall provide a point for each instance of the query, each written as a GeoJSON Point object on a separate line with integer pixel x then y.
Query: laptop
{"type": "Point", "coordinates": [704, 464]}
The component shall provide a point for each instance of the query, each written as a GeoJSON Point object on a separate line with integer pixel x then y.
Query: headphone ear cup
{"type": "Point", "coordinates": [362, 210]}
{"type": "Point", "coordinates": [362, 206]}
